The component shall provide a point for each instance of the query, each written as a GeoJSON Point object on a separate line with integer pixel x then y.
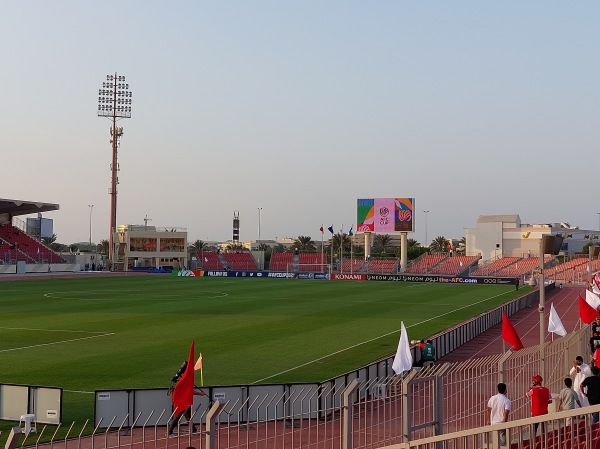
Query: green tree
{"type": "Point", "coordinates": [462, 246]}
{"type": "Point", "coordinates": [49, 240]}
{"type": "Point", "coordinates": [343, 241]}
{"type": "Point", "coordinates": [235, 247]}
{"type": "Point", "coordinates": [102, 247]}
{"type": "Point", "coordinates": [439, 245]}
{"type": "Point", "coordinates": [196, 248]}
{"type": "Point", "coordinates": [382, 243]}
{"type": "Point", "coordinates": [305, 244]}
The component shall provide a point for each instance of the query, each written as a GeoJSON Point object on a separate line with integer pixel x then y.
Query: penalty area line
{"type": "Point", "coordinates": [372, 339]}
{"type": "Point", "coordinates": [57, 342]}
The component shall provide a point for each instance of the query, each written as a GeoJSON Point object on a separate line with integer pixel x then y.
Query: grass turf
{"type": "Point", "coordinates": [134, 332]}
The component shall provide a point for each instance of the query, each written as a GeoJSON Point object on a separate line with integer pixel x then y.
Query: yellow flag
{"type": "Point", "coordinates": [198, 364]}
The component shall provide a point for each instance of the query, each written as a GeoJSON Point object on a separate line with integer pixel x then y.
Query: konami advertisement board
{"type": "Point", "coordinates": [385, 215]}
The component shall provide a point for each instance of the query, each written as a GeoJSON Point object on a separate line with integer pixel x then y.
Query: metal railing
{"type": "Point", "coordinates": [411, 410]}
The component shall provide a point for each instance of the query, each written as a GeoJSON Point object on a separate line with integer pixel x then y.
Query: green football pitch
{"type": "Point", "coordinates": [134, 332]}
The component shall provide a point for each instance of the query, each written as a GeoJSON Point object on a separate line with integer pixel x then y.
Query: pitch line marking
{"type": "Point", "coordinates": [370, 340]}
{"type": "Point", "coordinates": [214, 295]}
{"type": "Point", "coordinates": [57, 342]}
{"type": "Point", "coordinates": [50, 330]}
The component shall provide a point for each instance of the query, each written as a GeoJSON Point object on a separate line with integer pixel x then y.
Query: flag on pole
{"type": "Point", "coordinates": [183, 393]}
{"type": "Point", "coordinates": [350, 233]}
{"type": "Point", "coordinates": [403, 360]}
{"type": "Point", "coordinates": [509, 334]}
{"type": "Point", "coordinates": [555, 324]}
{"type": "Point", "coordinates": [592, 299]}
{"type": "Point", "coordinates": [330, 229]}
{"type": "Point", "coordinates": [586, 312]}
{"type": "Point", "coordinates": [321, 229]}
{"type": "Point", "coordinates": [198, 366]}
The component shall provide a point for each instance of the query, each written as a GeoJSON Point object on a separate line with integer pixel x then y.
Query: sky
{"type": "Point", "coordinates": [300, 108]}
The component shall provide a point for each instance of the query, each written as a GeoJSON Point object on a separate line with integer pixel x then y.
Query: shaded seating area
{"type": "Point", "coordinates": [312, 262]}
{"type": "Point", "coordinates": [522, 267]}
{"type": "Point", "coordinates": [386, 266]}
{"type": "Point", "coordinates": [281, 262]}
{"type": "Point", "coordinates": [242, 261]}
{"type": "Point", "coordinates": [455, 265]}
{"type": "Point", "coordinates": [490, 269]}
{"type": "Point", "coordinates": [574, 270]}
{"type": "Point", "coordinates": [351, 265]}
{"type": "Point", "coordinates": [18, 246]}
{"type": "Point", "coordinates": [425, 263]}
{"type": "Point", "coordinates": [211, 261]}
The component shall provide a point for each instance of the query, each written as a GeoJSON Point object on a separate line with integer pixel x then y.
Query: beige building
{"type": "Point", "coordinates": [505, 236]}
{"type": "Point", "coordinates": [139, 246]}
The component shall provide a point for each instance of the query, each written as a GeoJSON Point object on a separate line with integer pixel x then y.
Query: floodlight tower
{"type": "Point", "coordinates": [114, 102]}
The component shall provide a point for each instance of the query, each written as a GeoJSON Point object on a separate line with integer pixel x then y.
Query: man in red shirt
{"type": "Point", "coordinates": [540, 398]}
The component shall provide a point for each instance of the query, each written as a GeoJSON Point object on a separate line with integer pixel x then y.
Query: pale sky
{"type": "Point", "coordinates": [300, 108]}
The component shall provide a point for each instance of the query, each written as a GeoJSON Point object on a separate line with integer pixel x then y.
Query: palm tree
{"type": "Point", "coordinates": [235, 247]}
{"type": "Point", "coordinates": [411, 243]}
{"type": "Point", "coordinates": [343, 240]}
{"type": "Point", "coordinates": [102, 247]}
{"type": "Point", "coordinates": [382, 243]}
{"type": "Point", "coordinates": [439, 245]}
{"type": "Point", "coordinates": [305, 244]}
{"type": "Point", "coordinates": [196, 248]}
{"type": "Point", "coordinates": [462, 246]}
{"type": "Point", "coordinates": [49, 240]}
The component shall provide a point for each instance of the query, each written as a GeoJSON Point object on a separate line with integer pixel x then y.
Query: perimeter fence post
{"type": "Point", "coordinates": [347, 414]}
{"type": "Point", "coordinates": [211, 418]}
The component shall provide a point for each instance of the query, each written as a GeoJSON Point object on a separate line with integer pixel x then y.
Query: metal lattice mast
{"type": "Point", "coordinates": [114, 102]}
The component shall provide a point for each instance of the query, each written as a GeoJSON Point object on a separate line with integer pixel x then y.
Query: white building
{"type": "Point", "coordinates": [505, 236]}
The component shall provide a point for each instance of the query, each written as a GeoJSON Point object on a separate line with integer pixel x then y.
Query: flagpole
{"type": "Point", "coordinates": [351, 255]}
{"type": "Point", "coordinates": [322, 232]}
{"type": "Point", "coordinates": [542, 291]}
{"type": "Point", "coordinates": [341, 249]}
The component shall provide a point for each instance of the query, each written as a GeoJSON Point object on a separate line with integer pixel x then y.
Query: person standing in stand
{"type": "Point", "coordinates": [592, 390]}
{"type": "Point", "coordinates": [540, 398]}
{"type": "Point", "coordinates": [579, 372]}
{"type": "Point", "coordinates": [498, 408]}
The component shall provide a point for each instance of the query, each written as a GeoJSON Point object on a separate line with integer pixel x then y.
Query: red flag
{"type": "Point", "coordinates": [509, 334]}
{"type": "Point", "coordinates": [586, 312]}
{"type": "Point", "coordinates": [321, 229]}
{"type": "Point", "coordinates": [183, 394]}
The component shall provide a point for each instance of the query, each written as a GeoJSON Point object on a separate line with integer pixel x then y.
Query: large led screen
{"type": "Point", "coordinates": [385, 215]}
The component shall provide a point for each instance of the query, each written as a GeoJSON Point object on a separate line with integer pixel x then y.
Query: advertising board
{"type": "Point", "coordinates": [385, 215]}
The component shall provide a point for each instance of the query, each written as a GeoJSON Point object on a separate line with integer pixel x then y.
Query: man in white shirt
{"type": "Point", "coordinates": [579, 372]}
{"type": "Point", "coordinates": [498, 408]}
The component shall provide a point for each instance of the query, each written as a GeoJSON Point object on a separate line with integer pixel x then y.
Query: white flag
{"type": "Point", "coordinates": [403, 360]}
{"type": "Point", "coordinates": [206, 259]}
{"type": "Point", "coordinates": [592, 299]}
{"type": "Point", "coordinates": [554, 323]}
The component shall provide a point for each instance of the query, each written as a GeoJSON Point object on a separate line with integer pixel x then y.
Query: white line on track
{"type": "Point", "coordinates": [56, 342]}
{"type": "Point", "coordinates": [372, 339]}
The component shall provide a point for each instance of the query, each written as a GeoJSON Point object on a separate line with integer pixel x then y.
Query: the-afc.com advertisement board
{"type": "Point", "coordinates": [385, 215]}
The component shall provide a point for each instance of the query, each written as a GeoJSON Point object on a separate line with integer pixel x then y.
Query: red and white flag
{"type": "Point", "coordinates": [586, 312]}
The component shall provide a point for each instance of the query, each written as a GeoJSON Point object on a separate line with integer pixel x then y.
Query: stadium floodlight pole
{"type": "Point", "coordinates": [114, 102]}
{"type": "Point", "coordinates": [91, 206]}
{"type": "Point", "coordinates": [426, 212]}
{"type": "Point", "coordinates": [261, 258]}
